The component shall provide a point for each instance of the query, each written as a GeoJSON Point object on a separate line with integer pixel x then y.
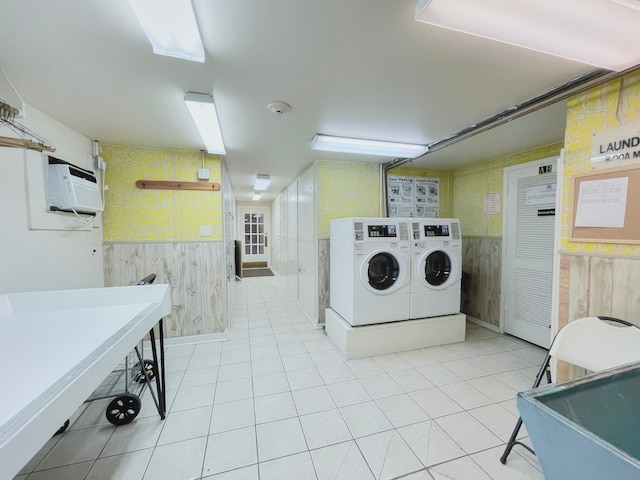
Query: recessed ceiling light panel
{"type": "Point", "coordinates": [328, 143]}
{"type": "Point", "coordinates": [262, 182]}
{"type": "Point", "coordinates": [204, 114]}
{"type": "Point", "coordinates": [603, 33]}
{"type": "Point", "coordinates": [171, 27]}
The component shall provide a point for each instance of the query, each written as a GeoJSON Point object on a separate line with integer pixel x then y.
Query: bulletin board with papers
{"type": "Point", "coordinates": [417, 197]}
{"type": "Point", "coordinates": [606, 206]}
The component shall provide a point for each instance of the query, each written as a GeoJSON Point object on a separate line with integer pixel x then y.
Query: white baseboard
{"type": "Point", "coordinates": [191, 339]}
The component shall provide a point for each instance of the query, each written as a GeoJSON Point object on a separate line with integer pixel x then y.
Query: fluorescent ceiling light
{"type": "Point", "coordinates": [171, 27]}
{"type": "Point", "coordinates": [367, 147]}
{"type": "Point", "coordinates": [204, 114]}
{"type": "Point", "coordinates": [256, 196]}
{"type": "Point", "coordinates": [635, 4]}
{"type": "Point", "coordinates": [262, 182]}
{"type": "Point", "coordinates": [603, 33]}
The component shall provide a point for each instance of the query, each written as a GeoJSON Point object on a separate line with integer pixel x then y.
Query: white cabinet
{"type": "Point", "coordinates": [283, 214]}
{"type": "Point", "coordinates": [292, 210]}
{"type": "Point", "coordinates": [295, 232]}
{"type": "Point", "coordinates": [292, 235]}
{"type": "Point", "coordinates": [306, 217]}
{"type": "Point", "coordinates": [292, 266]}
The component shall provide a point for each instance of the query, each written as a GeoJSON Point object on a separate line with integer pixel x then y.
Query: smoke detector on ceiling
{"type": "Point", "coordinates": [279, 108]}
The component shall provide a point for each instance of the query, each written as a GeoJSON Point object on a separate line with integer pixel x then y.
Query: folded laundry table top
{"type": "Point", "coordinates": [56, 347]}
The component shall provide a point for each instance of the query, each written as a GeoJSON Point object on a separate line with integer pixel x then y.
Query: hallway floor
{"type": "Point", "coordinates": [277, 401]}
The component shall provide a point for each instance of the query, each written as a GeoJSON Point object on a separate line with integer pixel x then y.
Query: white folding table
{"type": "Point", "coordinates": [56, 347]}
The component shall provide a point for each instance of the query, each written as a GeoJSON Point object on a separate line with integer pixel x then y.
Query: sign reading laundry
{"type": "Point", "coordinates": [616, 146]}
{"type": "Point", "coordinates": [542, 194]}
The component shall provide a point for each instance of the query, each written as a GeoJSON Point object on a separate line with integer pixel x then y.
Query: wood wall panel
{"type": "Point", "coordinates": [108, 265]}
{"type": "Point", "coordinates": [562, 368]}
{"type": "Point", "coordinates": [625, 294]}
{"type": "Point", "coordinates": [592, 286]}
{"type": "Point", "coordinates": [195, 271]}
{"type": "Point", "coordinates": [600, 282]}
{"type": "Point", "coordinates": [578, 307]}
{"type": "Point", "coordinates": [482, 261]}
{"type": "Point", "coordinates": [563, 296]}
{"type": "Point", "coordinates": [579, 288]}
{"type": "Point", "coordinates": [167, 261]}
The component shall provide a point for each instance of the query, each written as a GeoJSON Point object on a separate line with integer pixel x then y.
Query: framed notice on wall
{"type": "Point", "coordinates": [606, 206]}
{"type": "Point", "coordinates": [413, 196]}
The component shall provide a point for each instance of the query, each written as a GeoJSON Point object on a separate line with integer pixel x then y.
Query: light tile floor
{"type": "Point", "coordinates": [277, 401]}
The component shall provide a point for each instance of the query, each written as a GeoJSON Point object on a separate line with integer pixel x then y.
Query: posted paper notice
{"type": "Point", "coordinates": [602, 203]}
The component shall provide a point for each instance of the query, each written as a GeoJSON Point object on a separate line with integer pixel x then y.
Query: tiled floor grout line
{"type": "Point", "coordinates": [433, 419]}
{"type": "Point", "coordinates": [342, 416]}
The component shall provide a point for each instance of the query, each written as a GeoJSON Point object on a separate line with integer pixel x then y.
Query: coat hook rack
{"type": "Point", "coordinates": [28, 140]}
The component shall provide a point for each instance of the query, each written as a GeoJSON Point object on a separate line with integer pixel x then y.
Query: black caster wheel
{"type": "Point", "coordinates": [63, 428]}
{"type": "Point", "coordinates": [123, 409]}
{"type": "Point", "coordinates": [149, 368]}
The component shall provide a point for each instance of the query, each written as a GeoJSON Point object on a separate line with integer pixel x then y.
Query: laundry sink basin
{"type": "Point", "coordinates": [587, 429]}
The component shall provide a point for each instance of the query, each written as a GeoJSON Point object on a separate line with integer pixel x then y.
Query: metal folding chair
{"type": "Point", "coordinates": [593, 343]}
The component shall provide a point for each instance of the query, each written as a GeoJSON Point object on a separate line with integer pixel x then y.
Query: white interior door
{"type": "Point", "coordinates": [527, 246]}
{"type": "Point", "coordinates": [253, 230]}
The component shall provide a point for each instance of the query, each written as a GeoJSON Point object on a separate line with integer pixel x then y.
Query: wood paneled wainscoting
{"type": "Point", "coordinates": [593, 285]}
{"type": "Point", "coordinates": [195, 271]}
{"type": "Point", "coordinates": [482, 262]}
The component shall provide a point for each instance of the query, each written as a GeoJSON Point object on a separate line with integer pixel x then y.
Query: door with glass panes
{"type": "Point", "coordinates": [253, 229]}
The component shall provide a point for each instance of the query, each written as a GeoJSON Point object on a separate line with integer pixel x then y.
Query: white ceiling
{"type": "Point", "coordinates": [360, 68]}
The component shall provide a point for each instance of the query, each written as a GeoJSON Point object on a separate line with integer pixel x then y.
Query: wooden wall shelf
{"type": "Point", "coordinates": [171, 185]}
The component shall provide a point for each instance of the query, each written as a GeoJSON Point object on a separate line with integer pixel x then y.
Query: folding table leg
{"type": "Point", "coordinates": [160, 376]}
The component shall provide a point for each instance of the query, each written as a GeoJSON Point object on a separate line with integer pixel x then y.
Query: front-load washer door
{"type": "Point", "coordinates": [383, 272]}
{"type": "Point", "coordinates": [437, 269]}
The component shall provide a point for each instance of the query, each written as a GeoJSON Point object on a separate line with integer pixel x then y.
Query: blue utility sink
{"type": "Point", "coordinates": [587, 429]}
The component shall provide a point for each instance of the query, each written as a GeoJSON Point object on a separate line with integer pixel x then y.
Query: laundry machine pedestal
{"type": "Point", "coordinates": [366, 340]}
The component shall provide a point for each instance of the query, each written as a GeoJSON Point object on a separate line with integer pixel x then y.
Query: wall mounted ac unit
{"type": "Point", "coordinates": [73, 189]}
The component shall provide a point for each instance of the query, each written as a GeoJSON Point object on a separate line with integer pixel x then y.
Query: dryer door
{"type": "Point", "coordinates": [383, 272]}
{"type": "Point", "coordinates": [437, 269]}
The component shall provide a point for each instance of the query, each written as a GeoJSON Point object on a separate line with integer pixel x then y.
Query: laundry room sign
{"type": "Point", "coordinates": [616, 146]}
{"type": "Point", "coordinates": [413, 196]}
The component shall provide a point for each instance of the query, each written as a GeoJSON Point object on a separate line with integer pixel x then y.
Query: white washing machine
{"type": "Point", "coordinates": [370, 270]}
{"type": "Point", "coordinates": [436, 267]}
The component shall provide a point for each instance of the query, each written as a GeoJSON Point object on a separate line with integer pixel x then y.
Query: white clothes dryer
{"type": "Point", "coordinates": [370, 270]}
{"type": "Point", "coordinates": [436, 267]}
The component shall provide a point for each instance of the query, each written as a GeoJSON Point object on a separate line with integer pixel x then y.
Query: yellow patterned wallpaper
{"type": "Point", "coordinates": [134, 215]}
{"type": "Point", "coordinates": [471, 183]}
{"type": "Point", "coordinates": [352, 189]}
{"type": "Point", "coordinates": [591, 112]}
{"type": "Point", "coordinates": [346, 189]}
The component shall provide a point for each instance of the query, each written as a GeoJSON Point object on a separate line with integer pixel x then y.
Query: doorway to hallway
{"type": "Point", "coordinates": [253, 232]}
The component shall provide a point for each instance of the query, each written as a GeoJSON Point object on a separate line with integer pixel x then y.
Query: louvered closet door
{"type": "Point", "coordinates": [527, 271]}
